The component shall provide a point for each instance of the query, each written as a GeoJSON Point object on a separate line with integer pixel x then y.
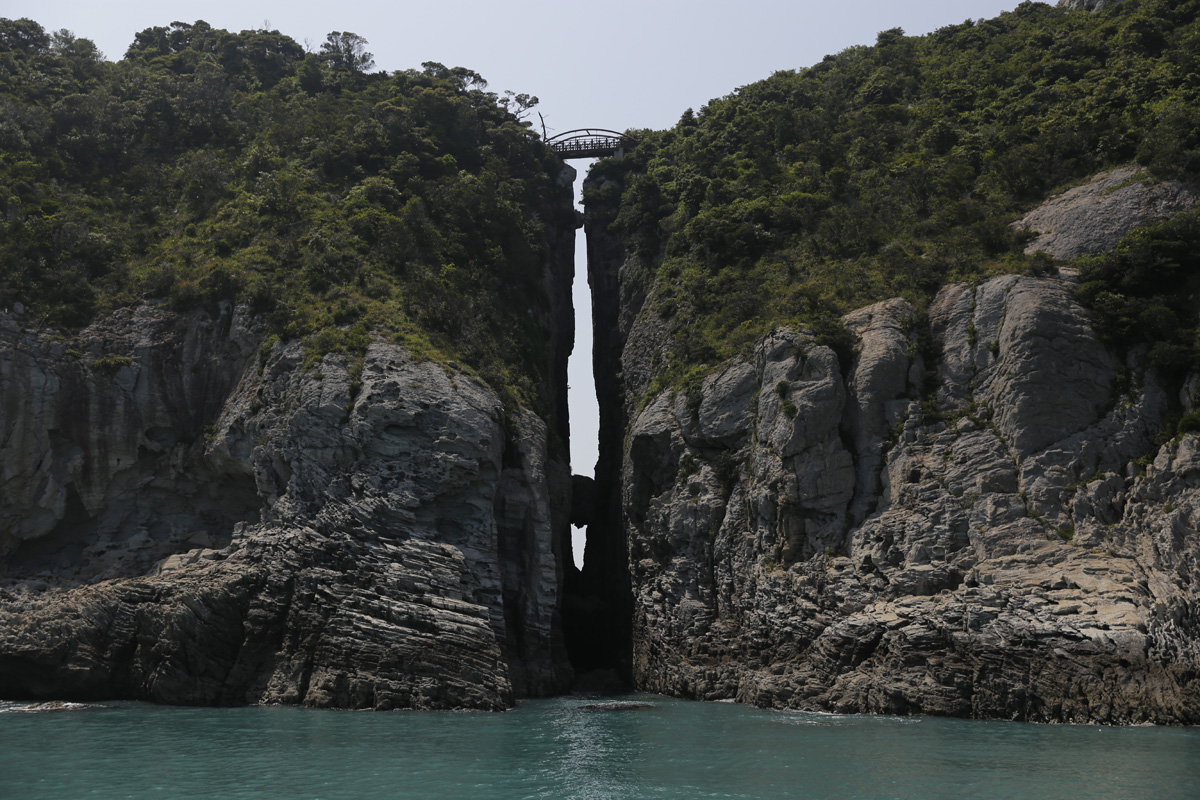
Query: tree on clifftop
{"type": "Point", "coordinates": [347, 51]}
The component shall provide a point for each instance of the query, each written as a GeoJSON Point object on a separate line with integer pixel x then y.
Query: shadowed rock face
{"type": "Point", "coordinates": [96, 437]}
{"type": "Point", "coordinates": [598, 611]}
{"type": "Point", "coordinates": [392, 559]}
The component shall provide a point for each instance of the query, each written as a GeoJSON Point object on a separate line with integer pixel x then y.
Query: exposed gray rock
{"type": "Point", "coordinates": [1087, 5]}
{"type": "Point", "coordinates": [99, 437]}
{"type": "Point", "coordinates": [724, 413]}
{"type": "Point", "coordinates": [1093, 217]}
{"type": "Point", "coordinates": [1051, 352]}
{"type": "Point", "coordinates": [844, 552]}
{"type": "Point", "coordinates": [886, 378]}
{"type": "Point", "coordinates": [351, 543]}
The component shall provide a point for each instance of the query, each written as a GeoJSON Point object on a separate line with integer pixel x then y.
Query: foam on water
{"type": "Point", "coordinates": [10, 707]}
{"type": "Point", "coordinates": [654, 747]}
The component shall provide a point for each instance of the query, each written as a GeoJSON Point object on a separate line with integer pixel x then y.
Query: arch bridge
{"type": "Point", "coordinates": [591, 143]}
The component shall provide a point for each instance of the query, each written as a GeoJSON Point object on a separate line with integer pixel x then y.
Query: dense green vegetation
{"type": "Point", "coordinates": [1145, 291]}
{"type": "Point", "coordinates": [894, 169]}
{"type": "Point", "coordinates": [208, 165]}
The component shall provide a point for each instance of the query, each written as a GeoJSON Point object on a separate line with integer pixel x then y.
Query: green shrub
{"type": "Point", "coordinates": [109, 365]}
{"type": "Point", "coordinates": [1188, 423]}
{"type": "Point", "coordinates": [893, 170]}
{"type": "Point", "coordinates": [412, 205]}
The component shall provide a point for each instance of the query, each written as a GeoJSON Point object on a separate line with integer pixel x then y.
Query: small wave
{"type": "Point", "coordinates": [45, 707]}
{"type": "Point", "coordinates": [794, 716]}
{"type": "Point", "coordinates": [617, 705]}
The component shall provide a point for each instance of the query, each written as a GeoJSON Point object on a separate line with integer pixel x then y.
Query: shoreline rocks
{"type": "Point", "coordinates": [393, 549]}
{"type": "Point", "coordinates": [831, 549]}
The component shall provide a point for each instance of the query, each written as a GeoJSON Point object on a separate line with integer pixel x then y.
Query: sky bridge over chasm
{"type": "Point", "coordinates": [591, 143]}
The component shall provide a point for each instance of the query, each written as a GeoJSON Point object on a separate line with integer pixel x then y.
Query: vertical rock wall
{"type": "Point", "coordinates": [803, 537]}
{"type": "Point", "coordinates": [99, 436]}
{"type": "Point", "coordinates": [190, 516]}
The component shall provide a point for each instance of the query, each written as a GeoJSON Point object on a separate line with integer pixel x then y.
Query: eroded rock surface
{"type": "Point", "coordinates": [805, 538]}
{"type": "Point", "coordinates": [1093, 217]}
{"type": "Point", "coordinates": [372, 540]}
{"type": "Point", "coordinates": [95, 436]}
{"type": "Point", "coordinates": [1087, 5]}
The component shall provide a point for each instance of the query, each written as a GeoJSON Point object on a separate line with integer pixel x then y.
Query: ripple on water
{"type": "Point", "coordinates": [46, 706]}
{"type": "Point", "coordinates": [650, 747]}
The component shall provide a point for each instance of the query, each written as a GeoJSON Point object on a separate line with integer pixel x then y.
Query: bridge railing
{"type": "Point", "coordinates": [590, 143]}
{"type": "Point", "coordinates": [587, 145]}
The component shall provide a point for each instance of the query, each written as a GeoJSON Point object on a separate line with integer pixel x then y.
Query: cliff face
{"type": "Point", "coordinates": [1093, 217]}
{"type": "Point", "coordinates": [807, 534]}
{"type": "Point", "coordinates": [97, 434]}
{"type": "Point", "coordinates": [191, 516]}
{"type": "Point", "coordinates": [291, 536]}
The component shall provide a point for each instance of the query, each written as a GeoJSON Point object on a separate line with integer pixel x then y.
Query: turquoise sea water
{"type": "Point", "coordinates": [558, 749]}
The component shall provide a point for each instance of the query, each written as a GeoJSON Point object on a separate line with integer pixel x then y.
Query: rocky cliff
{"type": "Point", "coordinates": [969, 501]}
{"type": "Point", "coordinates": [970, 518]}
{"type": "Point", "coordinates": [196, 513]}
{"type": "Point", "coordinates": [1093, 217]}
{"type": "Point", "coordinates": [200, 520]}
{"type": "Point", "coordinates": [283, 389]}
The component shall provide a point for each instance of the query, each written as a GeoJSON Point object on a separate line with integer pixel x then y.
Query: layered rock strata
{"type": "Point", "coordinates": [210, 523]}
{"type": "Point", "coordinates": [803, 538]}
{"type": "Point", "coordinates": [972, 520]}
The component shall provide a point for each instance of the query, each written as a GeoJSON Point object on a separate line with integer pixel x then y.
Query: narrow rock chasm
{"type": "Point", "coordinates": [598, 602]}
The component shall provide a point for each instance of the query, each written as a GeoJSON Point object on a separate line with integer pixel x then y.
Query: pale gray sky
{"type": "Point", "coordinates": [634, 64]}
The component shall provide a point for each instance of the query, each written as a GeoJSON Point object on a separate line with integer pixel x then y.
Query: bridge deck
{"type": "Point", "coordinates": [590, 143]}
{"type": "Point", "coordinates": [588, 148]}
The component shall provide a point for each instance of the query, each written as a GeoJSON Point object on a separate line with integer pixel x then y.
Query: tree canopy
{"type": "Point", "coordinates": [208, 165]}
{"type": "Point", "coordinates": [896, 168]}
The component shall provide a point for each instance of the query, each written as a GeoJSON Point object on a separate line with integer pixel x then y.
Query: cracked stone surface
{"type": "Point", "coordinates": [202, 521]}
{"type": "Point", "coordinates": [808, 539]}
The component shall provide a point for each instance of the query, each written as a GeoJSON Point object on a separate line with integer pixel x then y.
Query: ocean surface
{"type": "Point", "coordinates": [635, 746]}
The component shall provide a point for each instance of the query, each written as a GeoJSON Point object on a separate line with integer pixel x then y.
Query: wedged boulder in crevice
{"type": "Point", "coordinates": [583, 501]}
